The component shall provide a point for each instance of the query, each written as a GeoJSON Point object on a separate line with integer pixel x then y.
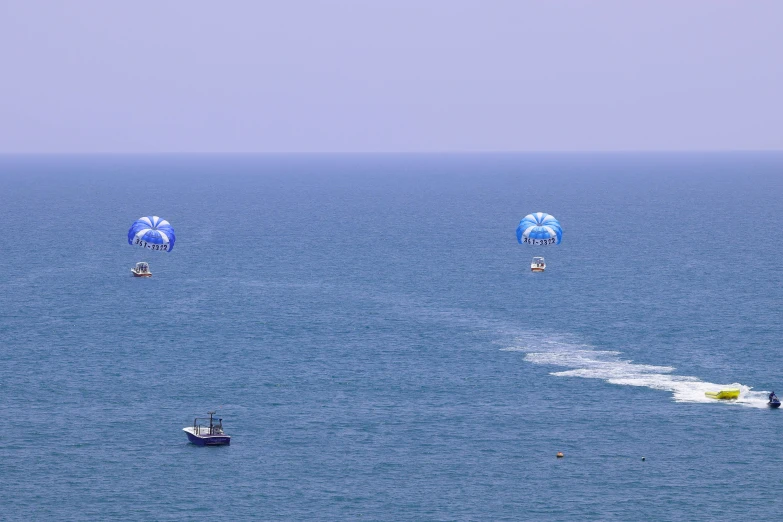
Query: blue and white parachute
{"type": "Point", "coordinates": [539, 228]}
{"type": "Point", "coordinates": [152, 232]}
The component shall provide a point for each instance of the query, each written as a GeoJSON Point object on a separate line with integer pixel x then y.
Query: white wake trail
{"type": "Point", "coordinates": [585, 361]}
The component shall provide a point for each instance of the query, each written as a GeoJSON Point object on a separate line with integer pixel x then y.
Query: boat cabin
{"type": "Point", "coordinates": [538, 264]}
{"type": "Point", "coordinates": [141, 269]}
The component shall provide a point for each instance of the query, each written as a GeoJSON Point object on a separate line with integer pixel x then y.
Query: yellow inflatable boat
{"type": "Point", "coordinates": [723, 394]}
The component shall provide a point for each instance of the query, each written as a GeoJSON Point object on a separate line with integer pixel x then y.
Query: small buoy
{"type": "Point", "coordinates": [643, 459]}
{"type": "Point", "coordinates": [560, 454]}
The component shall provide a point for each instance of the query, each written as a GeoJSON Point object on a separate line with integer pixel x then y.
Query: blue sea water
{"type": "Point", "coordinates": [378, 348]}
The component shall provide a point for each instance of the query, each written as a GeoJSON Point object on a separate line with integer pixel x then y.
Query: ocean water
{"type": "Point", "coordinates": [370, 331]}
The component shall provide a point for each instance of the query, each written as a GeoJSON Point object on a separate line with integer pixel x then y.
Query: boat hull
{"type": "Point", "coordinates": [723, 394]}
{"type": "Point", "coordinates": [209, 440]}
{"type": "Point", "coordinates": [775, 404]}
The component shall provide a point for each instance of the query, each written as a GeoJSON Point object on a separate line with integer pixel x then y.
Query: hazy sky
{"type": "Point", "coordinates": [383, 75]}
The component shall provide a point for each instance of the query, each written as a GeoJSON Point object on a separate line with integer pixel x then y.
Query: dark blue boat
{"type": "Point", "coordinates": [774, 403]}
{"type": "Point", "coordinates": [211, 435]}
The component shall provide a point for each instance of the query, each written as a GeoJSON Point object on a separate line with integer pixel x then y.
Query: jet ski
{"type": "Point", "coordinates": [774, 402]}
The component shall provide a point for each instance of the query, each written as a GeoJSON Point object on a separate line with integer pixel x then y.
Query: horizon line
{"type": "Point", "coordinates": [387, 153]}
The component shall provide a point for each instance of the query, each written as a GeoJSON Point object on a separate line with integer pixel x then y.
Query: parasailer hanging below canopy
{"type": "Point", "coordinates": [152, 232]}
{"type": "Point", "coordinates": [539, 229]}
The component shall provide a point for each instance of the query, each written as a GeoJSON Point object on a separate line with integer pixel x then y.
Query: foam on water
{"type": "Point", "coordinates": [586, 361]}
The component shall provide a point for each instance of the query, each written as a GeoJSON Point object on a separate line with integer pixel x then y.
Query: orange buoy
{"type": "Point", "coordinates": [560, 454]}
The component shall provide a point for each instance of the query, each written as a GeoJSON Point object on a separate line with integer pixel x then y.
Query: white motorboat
{"type": "Point", "coordinates": [141, 269]}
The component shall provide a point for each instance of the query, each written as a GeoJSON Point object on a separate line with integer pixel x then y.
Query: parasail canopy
{"type": "Point", "coordinates": [152, 232]}
{"type": "Point", "coordinates": [539, 228]}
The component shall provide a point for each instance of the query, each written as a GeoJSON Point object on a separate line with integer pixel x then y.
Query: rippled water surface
{"type": "Point", "coordinates": [370, 331]}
